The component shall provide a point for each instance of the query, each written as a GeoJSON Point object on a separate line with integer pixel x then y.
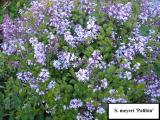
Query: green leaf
{"type": "Point", "coordinates": [1, 18]}
{"type": "Point", "coordinates": [144, 30]}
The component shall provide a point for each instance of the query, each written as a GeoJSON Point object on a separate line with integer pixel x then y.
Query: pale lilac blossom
{"type": "Point", "coordinates": [75, 103]}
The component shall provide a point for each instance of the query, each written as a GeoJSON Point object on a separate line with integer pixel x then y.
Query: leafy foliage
{"type": "Point", "coordinates": [67, 60]}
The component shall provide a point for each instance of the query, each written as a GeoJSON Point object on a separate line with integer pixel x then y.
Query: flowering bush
{"type": "Point", "coordinates": [66, 59]}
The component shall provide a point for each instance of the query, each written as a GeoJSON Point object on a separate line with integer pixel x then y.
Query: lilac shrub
{"type": "Point", "coordinates": [72, 57]}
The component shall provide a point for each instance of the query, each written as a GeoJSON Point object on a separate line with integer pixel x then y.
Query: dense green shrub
{"type": "Point", "coordinates": [67, 59]}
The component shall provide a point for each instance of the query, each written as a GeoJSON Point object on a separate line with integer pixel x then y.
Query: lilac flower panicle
{"type": "Point", "coordinates": [86, 115]}
{"type": "Point", "coordinates": [82, 35]}
{"type": "Point", "coordinates": [119, 11]}
{"type": "Point", "coordinates": [92, 28]}
{"type": "Point", "coordinates": [39, 53]}
{"type": "Point", "coordinates": [100, 110]}
{"type": "Point", "coordinates": [9, 47]}
{"type": "Point", "coordinates": [24, 76]}
{"type": "Point", "coordinates": [112, 91]}
{"type": "Point", "coordinates": [60, 19]}
{"type": "Point", "coordinates": [144, 10]}
{"type": "Point", "coordinates": [39, 50]}
{"type": "Point", "coordinates": [8, 28]}
{"type": "Point", "coordinates": [115, 100]}
{"type": "Point", "coordinates": [75, 103]}
{"type": "Point", "coordinates": [83, 75]}
{"type": "Point", "coordinates": [152, 85]}
{"type": "Point", "coordinates": [65, 60]}
{"type": "Point", "coordinates": [33, 85]}
{"type": "Point", "coordinates": [29, 62]}
{"type": "Point", "coordinates": [96, 61]}
{"type": "Point", "coordinates": [104, 83]}
{"type": "Point", "coordinates": [90, 106]}
{"type": "Point", "coordinates": [136, 66]}
{"type": "Point", "coordinates": [44, 75]}
{"type": "Point", "coordinates": [87, 6]}
{"type": "Point", "coordinates": [51, 84]}
{"type": "Point", "coordinates": [34, 81]}
{"type": "Point", "coordinates": [128, 75]}
{"type": "Point", "coordinates": [70, 39]}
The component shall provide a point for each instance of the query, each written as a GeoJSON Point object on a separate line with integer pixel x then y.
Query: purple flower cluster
{"type": "Point", "coordinates": [34, 82]}
{"type": "Point", "coordinates": [83, 74]}
{"type": "Point", "coordinates": [118, 100]}
{"type": "Point", "coordinates": [60, 12]}
{"type": "Point", "coordinates": [144, 10]}
{"type": "Point", "coordinates": [82, 35]}
{"type": "Point", "coordinates": [103, 85]}
{"type": "Point", "coordinates": [39, 51]}
{"type": "Point", "coordinates": [96, 61]}
{"type": "Point", "coordinates": [24, 76]}
{"type": "Point", "coordinates": [90, 106]}
{"type": "Point", "coordinates": [41, 78]}
{"type": "Point", "coordinates": [152, 85]}
{"type": "Point", "coordinates": [149, 11]}
{"type": "Point", "coordinates": [66, 60]}
{"type": "Point", "coordinates": [10, 42]}
{"type": "Point", "coordinates": [86, 115]}
{"type": "Point", "coordinates": [87, 6]}
{"type": "Point", "coordinates": [8, 28]}
{"type": "Point", "coordinates": [100, 110]}
{"type": "Point", "coordinates": [155, 12]}
{"type": "Point", "coordinates": [114, 97]}
{"type": "Point", "coordinates": [119, 11]}
{"type": "Point", "coordinates": [75, 103]}
{"type": "Point", "coordinates": [51, 85]}
{"type": "Point", "coordinates": [43, 75]}
{"type": "Point", "coordinates": [138, 44]}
